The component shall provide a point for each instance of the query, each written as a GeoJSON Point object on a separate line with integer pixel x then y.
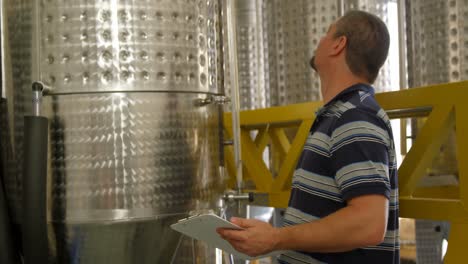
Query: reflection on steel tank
{"type": "Point", "coordinates": [131, 150]}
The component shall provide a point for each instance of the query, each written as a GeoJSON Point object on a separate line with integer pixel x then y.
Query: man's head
{"type": "Point", "coordinates": [362, 39]}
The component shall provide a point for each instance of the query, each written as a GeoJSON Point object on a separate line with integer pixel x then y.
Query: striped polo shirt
{"type": "Point", "coordinates": [349, 152]}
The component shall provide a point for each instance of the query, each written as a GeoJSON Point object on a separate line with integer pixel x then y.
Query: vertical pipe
{"type": "Point", "coordinates": [36, 42]}
{"type": "Point", "coordinates": [222, 88]}
{"type": "Point", "coordinates": [37, 98]}
{"type": "Point", "coordinates": [403, 71]}
{"type": "Point", "coordinates": [402, 43]}
{"type": "Point", "coordinates": [7, 80]}
{"type": "Point", "coordinates": [234, 78]}
{"type": "Point", "coordinates": [341, 10]}
{"type": "Point", "coordinates": [36, 135]}
{"type": "Point", "coordinates": [34, 190]}
{"type": "Point", "coordinates": [260, 87]}
{"type": "Point", "coordinates": [2, 55]}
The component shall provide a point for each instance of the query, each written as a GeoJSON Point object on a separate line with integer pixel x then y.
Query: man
{"type": "Point", "coordinates": [344, 200]}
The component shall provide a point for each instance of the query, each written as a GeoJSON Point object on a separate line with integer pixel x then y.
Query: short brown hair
{"type": "Point", "coordinates": [368, 41]}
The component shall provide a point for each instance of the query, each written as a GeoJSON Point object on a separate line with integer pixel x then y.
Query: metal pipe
{"type": "Point", "coordinates": [403, 70]}
{"type": "Point", "coordinates": [234, 78]}
{"type": "Point", "coordinates": [410, 112]}
{"type": "Point", "coordinates": [220, 39]}
{"type": "Point", "coordinates": [8, 92]}
{"type": "Point", "coordinates": [341, 10]}
{"type": "Point", "coordinates": [36, 37]}
{"type": "Point", "coordinates": [260, 56]}
{"type": "Point", "coordinates": [52, 92]}
{"type": "Point", "coordinates": [37, 98]}
{"type": "Point", "coordinates": [402, 43]}
{"type": "Point", "coordinates": [234, 197]}
{"type": "Point", "coordinates": [2, 54]}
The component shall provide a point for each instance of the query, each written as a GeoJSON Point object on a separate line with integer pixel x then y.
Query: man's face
{"type": "Point", "coordinates": [322, 48]}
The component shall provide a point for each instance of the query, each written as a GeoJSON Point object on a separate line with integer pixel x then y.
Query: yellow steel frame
{"type": "Point", "coordinates": [449, 104]}
{"type": "Point", "coordinates": [270, 124]}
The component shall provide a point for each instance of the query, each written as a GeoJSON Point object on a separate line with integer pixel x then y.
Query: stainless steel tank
{"type": "Point", "coordinates": [388, 78]}
{"type": "Point", "coordinates": [134, 142]}
{"type": "Point", "coordinates": [436, 41]}
{"type": "Point", "coordinates": [276, 39]}
{"type": "Point", "coordinates": [294, 31]}
{"type": "Point", "coordinates": [436, 48]}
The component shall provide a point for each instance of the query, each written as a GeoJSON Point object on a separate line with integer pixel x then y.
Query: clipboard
{"type": "Point", "coordinates": [203, 227]}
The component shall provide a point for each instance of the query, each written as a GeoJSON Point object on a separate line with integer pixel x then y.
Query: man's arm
{"type": "Point", "coordinates": [361, 223]}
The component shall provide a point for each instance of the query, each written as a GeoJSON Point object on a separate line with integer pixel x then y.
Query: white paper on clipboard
{"type": "Point", "coordinates": [203, 227]}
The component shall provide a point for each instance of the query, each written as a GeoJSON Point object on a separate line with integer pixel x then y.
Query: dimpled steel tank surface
{"type": "Point", "coordinates": [131, 149]}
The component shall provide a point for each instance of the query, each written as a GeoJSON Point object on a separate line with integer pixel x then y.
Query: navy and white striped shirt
{"type": "Point", "coordinates": [349, 152]}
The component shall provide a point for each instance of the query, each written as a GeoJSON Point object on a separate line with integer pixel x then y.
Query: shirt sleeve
{"type": "Point", "coordinates": [360, 154]}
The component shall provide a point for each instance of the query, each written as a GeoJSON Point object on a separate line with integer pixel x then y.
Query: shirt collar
{"type": "Point", "coordinates": [353, 88]}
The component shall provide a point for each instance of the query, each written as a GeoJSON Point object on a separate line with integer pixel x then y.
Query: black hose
{"type": "Point", "coordinates": [35, 246]}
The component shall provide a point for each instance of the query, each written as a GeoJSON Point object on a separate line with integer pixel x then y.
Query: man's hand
{"type": "Point", "coordinates": [257, 238]}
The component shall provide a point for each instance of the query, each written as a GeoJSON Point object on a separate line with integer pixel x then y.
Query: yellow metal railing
{"type": "Point", "coordinates": [448, 108]}
{"type": "Point", "coordinates": [270, 124]}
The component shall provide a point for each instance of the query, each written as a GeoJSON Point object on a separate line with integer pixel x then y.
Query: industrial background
{"type": "Point", "coordinates": [119, 117]}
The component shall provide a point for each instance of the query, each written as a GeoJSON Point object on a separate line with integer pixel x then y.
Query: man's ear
{"type": "Point", "coordinates": [339, 45]}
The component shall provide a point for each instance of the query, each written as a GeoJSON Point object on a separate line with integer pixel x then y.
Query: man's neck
{"type": "Point", "coordinates": [331, 87]}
